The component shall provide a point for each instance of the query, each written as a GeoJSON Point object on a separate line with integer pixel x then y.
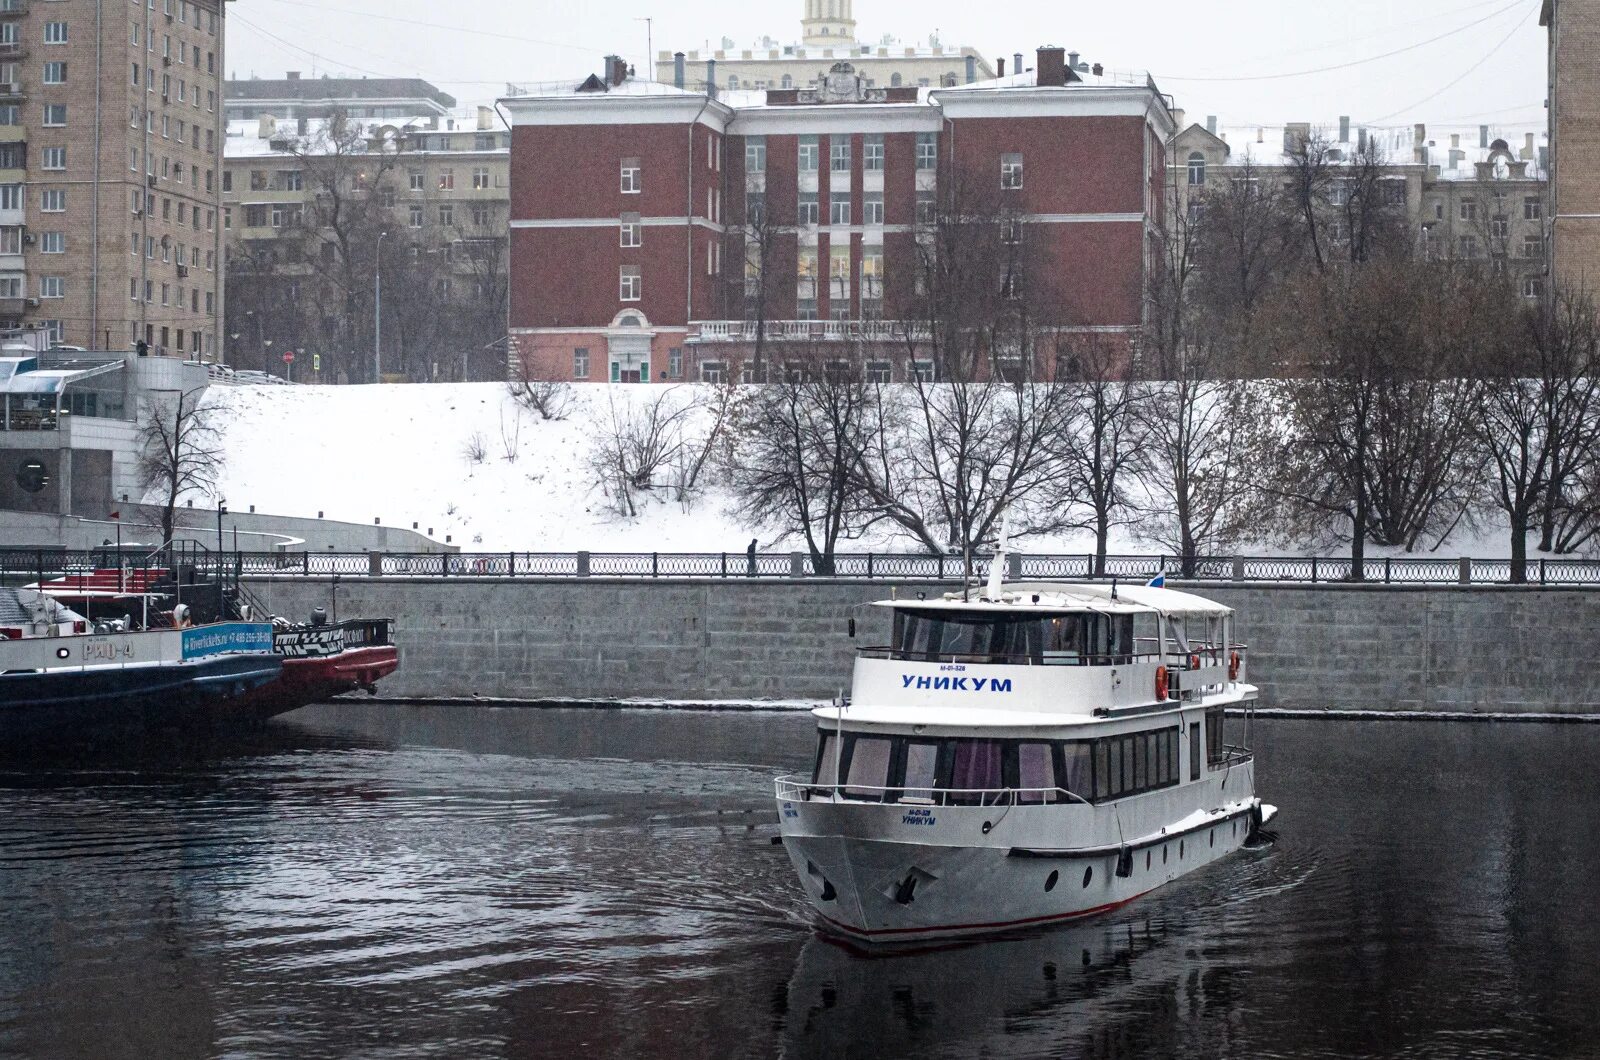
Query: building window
{"type": "Point", "coordinates": [55, 73]}
{"type": "Point", "coordinates": [416, 179]}
{"type": "Point", "coordinates": [55, 114]}
{"type": "Point", "coordinates": [872, 208]}
{"type": "Point", "coordinates": [447, 180]}
{"type": "Point", "coordinates": [927, 208]}
{"type": "Point", "coordinates": [447, 215]}
{"type": "Point", "coordinates": [55, 33]}
{"type": "Point", "coordinates": [880, 372]}
{"type": "Point", "coordinates": [54, 158]}
{"type": "Point", "coordinates": [1469, 210]}
{"type": "Point", "coordinates": [632, 177]}
{"type": "Point", "coordinates": [807, 212]}
{"type": "Point", "coordinates": [1532, 287]}
{"type": "Point", "coordinates": [872, 273]}
{"type": "Point", "coordinates": [480, 178]}
{"type": "Point", "coordinates": [810, 154]}
{"type": "Point", "coordinates": [1469, 246]}
{"type": "Point", "coordinates": [922, 371]}
{"type": "Point", "coordinates": [51, 200]}
{"type": "Point", "coordinates": [1533, 247]}
{"type": "Point", "coordinates": [839, 154]}
{"type": "Point", "coordinates": [1395, 192]}
{"type": "Point", "coordinates": [631, 285]}
{"type": "Point", "coordinates": [416, 217]}
{"type": "Point", "coordinates": [580, 363]}
{"type": "Point", "coordinates": [632, 230]}
{"type": "Point", "coordinates": [52, 287]}
{"type": "Point", "coordinates": [839, 208]}
{"type": "Point", "coordinates": [1532, 208]}
{"type": "Point", "coordinates": [1499, 228]}
{"type": "Point", "coordinates": [755, 154]}
{"type": "Point", "coordinates": [1197, 170]}
{"type": "Point", "coordinates": [1011, 171]}
{"type": "Point", "coordinates": [927, 150]}
{"type": "Point", "coordinates": [872, 152]}
{"type": "Point", "coordinates": [1010, 282]}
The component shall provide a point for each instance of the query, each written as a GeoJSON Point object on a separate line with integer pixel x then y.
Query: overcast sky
{"type": "Point", "coordinates": [1384, 62]}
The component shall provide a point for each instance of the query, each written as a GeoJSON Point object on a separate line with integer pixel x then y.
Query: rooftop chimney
{"type": "Point", "coordinates": [711, 78]}
{"type": "Point", "coordinates": [1455, 140]}
{"type": "Point", "coordinates": [1483, 136]}
{"type": "Point", "coordinates": [1098, 70]}
{"type": "Point", "coordinates": [972, 68]}
{"type": "Point", "coordinates": [1051, 68]}
{"type": "Point", "coordinates": [1177, 118]}
{"type": "Point", "coordinates": [1016, 63]}
{"type": "Point", "coordinates": [266, 127]}
{"type": "Point", "coordinates": [677, 69]}
{"type": "Point", "coordinates": [485, 118]}
{"type": "Point", "coordinates": [1457, 156]}
{"type": "Point", "coordinates": [1211, 124]}
{"type": "Point", "coordinates": [294, 75]}
{"type": "Point", "coordinates": [616, 70]}
{"type": "Point", "coordinates": [1419, 133]}
{"type": "Point", "coordinates": [1072, 60]}
{"type": "Point", "coordinates": [1000, 67]}
{"type": "Point", "coordinates": [1344, 128]}
{"type": "Point", "coordinates": [1527, 148]}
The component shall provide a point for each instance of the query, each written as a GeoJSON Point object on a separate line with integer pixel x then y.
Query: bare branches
{"type": "Point", "coordinates": [180, 453]}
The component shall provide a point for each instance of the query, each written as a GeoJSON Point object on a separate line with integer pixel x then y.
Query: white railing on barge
{"type": "Point", "coordinates": [146, 648]}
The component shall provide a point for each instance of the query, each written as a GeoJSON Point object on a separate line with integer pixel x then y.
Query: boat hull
{"type": "Point", "coordinates": [70, 703]}
{"type": "Point", "coordinates": [871, 884]}
{"type": "Point", "coordinates": [314, 679]}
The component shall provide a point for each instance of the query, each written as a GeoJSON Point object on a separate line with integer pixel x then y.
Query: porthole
{"type": "Point", "coordinates": [1050, 880]}
{"type": "Point", "coordinates": [1088, 874]}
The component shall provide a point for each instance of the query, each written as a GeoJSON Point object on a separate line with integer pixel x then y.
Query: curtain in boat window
{"type": "Point", "coordinates": [1036, 773]}
{"type": "Point", "coordinates": [827, 763]}
{"type": "Point", "coordinates": [922, 764]}
{"type": "Point", "coordinates": [976, 766]}
{"type": "Point", "coordinates": [868, 772]}
{"type": "Point", "coordinates": [1079, 770]}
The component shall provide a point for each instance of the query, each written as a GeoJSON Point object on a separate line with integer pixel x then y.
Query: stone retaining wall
{"type": "Point", "coordinates": [1311, 647]}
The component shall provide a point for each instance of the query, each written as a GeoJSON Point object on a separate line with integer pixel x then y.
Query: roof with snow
{"type": "Point", "coordinates": [1455, 150]}
{"type": "Point", "coordinates": [335, 89]}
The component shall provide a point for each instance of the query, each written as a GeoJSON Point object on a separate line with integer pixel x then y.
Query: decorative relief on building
{"type": "Point", "coordinates": [843, 85]}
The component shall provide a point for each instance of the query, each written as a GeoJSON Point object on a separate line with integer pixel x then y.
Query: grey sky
{"type": "Point", "coordinates": [1482, 61]}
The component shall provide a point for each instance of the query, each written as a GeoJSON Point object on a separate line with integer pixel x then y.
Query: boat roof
{"type": "Point", "coordinates": [1071, 598]}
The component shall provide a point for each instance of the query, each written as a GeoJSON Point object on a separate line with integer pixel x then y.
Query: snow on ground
{"type": "Point", "coordinates": [399, 454]}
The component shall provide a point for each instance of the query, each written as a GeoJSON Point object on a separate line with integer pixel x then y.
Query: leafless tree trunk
{"type": "Point", "coordinates": [180, 452]}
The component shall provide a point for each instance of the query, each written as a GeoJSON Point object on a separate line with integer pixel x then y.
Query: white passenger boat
{"type": "Point", "coordinates": [1022, 754]}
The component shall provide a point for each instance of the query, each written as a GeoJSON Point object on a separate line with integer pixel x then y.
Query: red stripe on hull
{"type": "Point", "coordinates": [998, 925]}
{"type": "Point", "coordinates": [316, 678]}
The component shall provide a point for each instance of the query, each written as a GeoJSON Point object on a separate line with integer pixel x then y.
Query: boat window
{"type": "Point", "coordinates": [922, 765]}
{"type": "Point", "coordinates": [1194, 751]}
{"type": "Point", "coordinates": [868, 771]}
{"type": "Point", "coordinates": [827, 761]}
{"type": "Point", "coordinates": [1078, 772]}
{"type": "Point", "coordinates": [1214, 736]}
{"type": "Point", "coordinates": [1102, 769]}
{"type": "Point", "coordinates": [1135, 762]}
{"type": "Point", "coordinates": [1036, 773]}
{"type": "Point", "coordinates": [975, 767]}
{"type": "Point", "coordinates": [942, 634]}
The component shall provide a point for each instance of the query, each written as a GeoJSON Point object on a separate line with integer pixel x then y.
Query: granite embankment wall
{"type": "Point", "coordinates": [1321, 647]}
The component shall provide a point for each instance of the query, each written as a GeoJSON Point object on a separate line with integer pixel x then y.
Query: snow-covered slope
{"type": "Point", "coordinates": [400, 454]}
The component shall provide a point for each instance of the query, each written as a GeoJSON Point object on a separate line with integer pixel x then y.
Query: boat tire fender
{"type": "Point", "coordinates": [1161, 684]}
{"type": "Point", "coordinates": [1233, 666]}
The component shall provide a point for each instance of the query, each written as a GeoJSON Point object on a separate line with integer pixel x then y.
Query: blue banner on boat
{"type": "Point", "coordinates": [204, 641]}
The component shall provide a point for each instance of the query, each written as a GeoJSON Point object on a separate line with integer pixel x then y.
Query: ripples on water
{"type": "Point", "coordinates": [438, 882]}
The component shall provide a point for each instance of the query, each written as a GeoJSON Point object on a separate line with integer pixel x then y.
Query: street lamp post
{"type": "Point", "coordinates": [377, 311]}
{"type": "Point", "coordinates": [222, 509]}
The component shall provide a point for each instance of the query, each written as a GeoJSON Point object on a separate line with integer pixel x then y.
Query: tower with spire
{"type": "Point", "coordinates": [828, 23]}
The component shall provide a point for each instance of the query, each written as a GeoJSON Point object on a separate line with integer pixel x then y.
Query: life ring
{"type": "Point", "coordinates": [1194, 662]}
{"type": "Point", "coordinates": [1233, 666]}
{"type": "Point", "coordinates": [1161, 684]}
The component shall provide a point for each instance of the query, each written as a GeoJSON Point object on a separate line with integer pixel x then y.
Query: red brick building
{"type": "Point", "coordinates": [653, 227]}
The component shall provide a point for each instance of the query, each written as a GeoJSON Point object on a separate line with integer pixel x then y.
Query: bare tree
{"type": "Point", "coordinates": [180, 453]}
{"type": "Point", "coordinates": [533, 388]}
{"type": "Point", "coordinates": [1564, 335]}
{"type": "Point", "coordinates": [797, 444]}
{"type": "Point", "coordinates": [1309, 180]}
{"type": "Point", "coordinates": [1227, 256]}
{"type": "Point", "coordinates": [661, 438]}
{"type": "Point", "coordinates": [1099, 444]}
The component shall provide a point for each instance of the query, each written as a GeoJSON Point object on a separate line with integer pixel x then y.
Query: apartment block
{"type": "Point", "coordinates": [636, 208]}
{"type": "Point", "coordinates": [1573, 104]}
{"type": "Point", "coordinates": [110, 172]}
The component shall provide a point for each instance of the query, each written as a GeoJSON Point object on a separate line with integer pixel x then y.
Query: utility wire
{"type": "Point", "coordinates": [1469, 71]}
{"type": "Point", "coordinates": [1340, 66]}
{"type": "Point", "coordinates": [437, 25]}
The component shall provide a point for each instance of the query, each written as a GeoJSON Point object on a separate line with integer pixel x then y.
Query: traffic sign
{"type": "Point", "coordinates": [288, 356]}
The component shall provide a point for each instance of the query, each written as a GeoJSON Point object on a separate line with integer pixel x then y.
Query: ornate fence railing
{"type": "Point", "coordinates": [31, 564]}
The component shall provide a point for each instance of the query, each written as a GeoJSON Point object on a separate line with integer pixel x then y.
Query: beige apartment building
{"type": "Point", "coordinates": [828, 35]}
{"type": "Point", "coordinates": [1573, 105]}
{"type": "Point", "coordinates": [1468, 194]}
{"type": "Point", "coordinates": [435, 188]}
{"type": "Point", "coordinates": [110, 172]}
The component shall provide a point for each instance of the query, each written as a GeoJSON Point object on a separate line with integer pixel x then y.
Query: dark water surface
{"type": "Point", "coordinates": [370, 881]}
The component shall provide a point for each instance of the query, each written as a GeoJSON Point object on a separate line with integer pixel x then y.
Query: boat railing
{"type": "Point", "coordinates": [1006, 659]}
{"type": "Point", "coordinates": [1231, 756]}
{"type": "Point", "coordinates": [798, 788]}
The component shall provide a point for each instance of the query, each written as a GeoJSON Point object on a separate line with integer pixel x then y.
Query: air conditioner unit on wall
{"type": "Point", "coordinates": [28, 238]}
{"type": "Point", "coordinates": [33, 303]}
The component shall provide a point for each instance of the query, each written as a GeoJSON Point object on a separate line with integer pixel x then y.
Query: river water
{"type": "Point", "coordinates": [367, 881]}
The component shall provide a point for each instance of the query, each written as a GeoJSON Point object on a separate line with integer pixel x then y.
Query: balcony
{"type": "Point", "coordinates": [13, 9]}
{"type": "Point", "coordinates": [13, 308]}
{"type": "Point", "coordinates": [13, 49]}
{"type": "Point", "coordinates": [884, 331]}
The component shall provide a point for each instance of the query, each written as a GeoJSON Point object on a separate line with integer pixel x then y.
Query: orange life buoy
{"type": "Point", "coordinates": [1194, 662]}
{"type": "Point", "coordinates": [1161, 684]}
{"type": "Point", "coordinates": [1233, 666]}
